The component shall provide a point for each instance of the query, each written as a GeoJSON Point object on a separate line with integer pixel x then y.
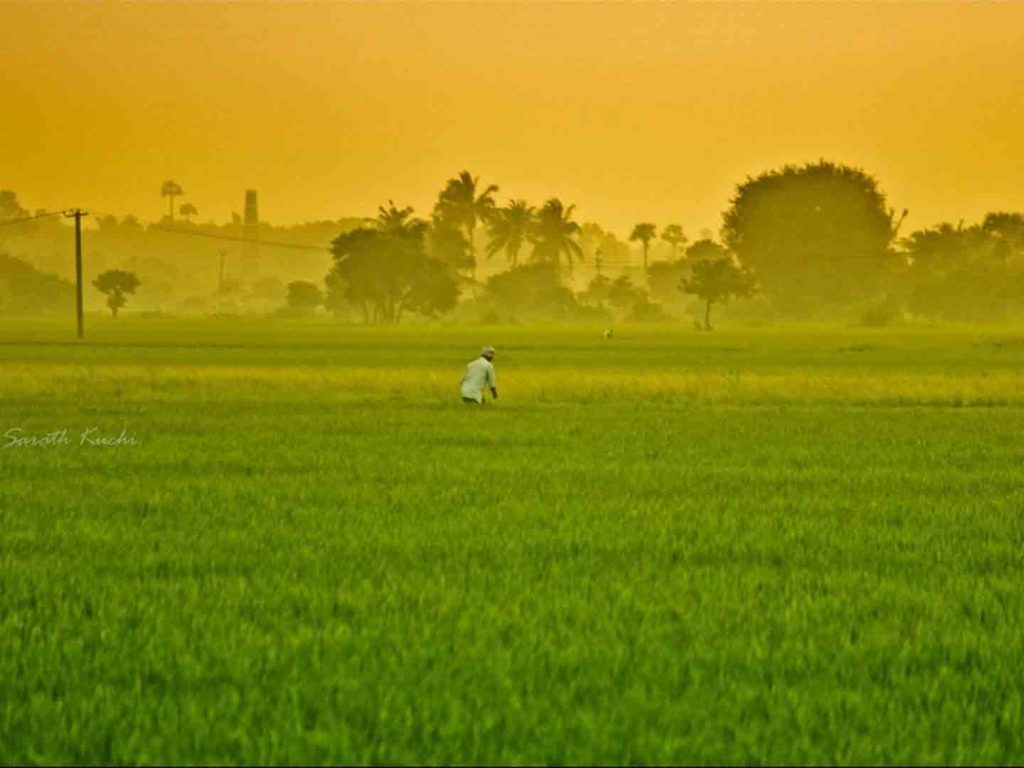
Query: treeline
{"type": "Point", "coordinates": [816, 241]}
{"type": "Point", "coordinates": [184, 265]}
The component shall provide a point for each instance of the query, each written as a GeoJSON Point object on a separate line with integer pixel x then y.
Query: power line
{"type": "Point", "coordinates": [29, 218]}
{"type": "Point", "coordinates": [278, 244]}
{"type": "Point", "coordinates": [228, 238]}
{"type": "Point", "coordinates": [239, 239]}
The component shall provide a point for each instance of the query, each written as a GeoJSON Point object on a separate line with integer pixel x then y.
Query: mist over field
{"type": "Point", "coordinates": [511, 383]}
{"type": "Point", "coordinates": [817, 242]}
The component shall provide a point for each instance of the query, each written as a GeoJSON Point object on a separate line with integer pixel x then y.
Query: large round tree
{"type": "Point", "coordinates": [816, 235]}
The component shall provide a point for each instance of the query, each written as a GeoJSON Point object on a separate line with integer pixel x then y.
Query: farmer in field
{"type": "Point", "coordinates": [479, 374]}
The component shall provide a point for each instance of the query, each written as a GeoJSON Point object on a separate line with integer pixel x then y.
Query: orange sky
{"type": "Point", "coordinates": [632, 111]}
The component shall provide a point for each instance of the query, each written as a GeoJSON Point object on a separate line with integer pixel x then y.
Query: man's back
{"type": "Point", "coordinates": [479, 374]}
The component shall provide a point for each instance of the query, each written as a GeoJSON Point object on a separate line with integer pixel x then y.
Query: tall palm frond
{"type": "Point", "coordinates": [555, 234]}
{"type": "Point", "coordinates": [509, 229]}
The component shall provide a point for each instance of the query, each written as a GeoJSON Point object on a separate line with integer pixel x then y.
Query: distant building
{"type": "Point", "coordinates": [250, 234]}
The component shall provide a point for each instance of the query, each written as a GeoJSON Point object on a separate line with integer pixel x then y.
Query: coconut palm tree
{"type": "Point", "coordinates": [395, 220]}
{"type": "Point", "coordinates": [171, 189]}
{"type": "Point", "coordinates": [673, 235]}
{"type": "Point", "coordinates": [555, 233]}
{"type": "Point", "coordinates": [462, 204]}
{"type": "Point", "coordinates": [644, 232]}
{"type": "Point", "coordinates": [509, 229]}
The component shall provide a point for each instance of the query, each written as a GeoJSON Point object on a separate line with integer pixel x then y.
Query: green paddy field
{"type": "Point", "coordinates": [755, 546]}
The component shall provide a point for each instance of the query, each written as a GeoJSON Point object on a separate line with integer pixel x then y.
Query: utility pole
{"type": "Point", "coordinates": [597, 260]}
{"type": "Point", "coordinates": [78, 213]}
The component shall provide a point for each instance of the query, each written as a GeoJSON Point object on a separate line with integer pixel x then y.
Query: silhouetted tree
{"type": "Point", "coordinates": [814, 234]}
{"type": "Point", "coordinates": [673, 235]}
{"type": "Point", "coordinates": [335, 296]}
{"type": "Point", "coordinates": [303, 297]}
{"type": "Point", "coordinates": [171, 189]}
{"type": "Point", "coordinates": [663, 279]}
{"type": "Point", "coordinates": [555, 234]}
{"type": "Point", "coordinates": [266, 289]}
{"type": "Point", "coordinates": [957, 273]}
{"type": "Point", "coordinates": [107, 223]}
{"type": "Point", "coordinates": [509, 229]}
{"type": "Point", "coordinates": [704, 250]}
{"type": "Point", "coordinates": [715, 281]}
{"type": "Point", "coordinates": [386, 270]}
{"type": "Point", "coordinates": [116, 284]}
{"type": "Point", "coordinates": [462, 204]}
{"type": "Point", "coordinates": [623, 295]}
{"type": "Point", "coordinates": [532, 289]}
{"type": "Point", "coordinates": [1008, 230]}
{"type": "Point", "coordinates": [399, 221]}
{"type": "Point", "coordinates": [628, 300]}
{"type": "Point", "coordinates": [594, 238]}
{"type": "Point", "coordinates": [187, 210]}
{"type": "Point", "coordinates": [450, 245]}
{"type": "Point", "coordinates": [597, 290]}
{"type": "Point", "coordinates": [644, 233]}
{"type": "Point", "coordinates": [10, 208]}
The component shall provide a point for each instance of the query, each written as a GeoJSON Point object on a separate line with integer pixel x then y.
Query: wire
{"type": "Point", "coordinates": [277, 244]}
{"type": "Point", "coordinates": [268, 243]}
{"type": "Point", "coordinates": [239, 239]}
{"type": "Point", "coordinates": [227, 238]}
{"type": "Point", "coordinates": [30, 218]}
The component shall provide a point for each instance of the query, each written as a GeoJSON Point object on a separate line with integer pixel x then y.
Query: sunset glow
{"type": "Point", "coordinates": [630, 111]}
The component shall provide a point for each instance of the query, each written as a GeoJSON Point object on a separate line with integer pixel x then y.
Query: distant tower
{"type": "Point", "coordinates": [250, 234]}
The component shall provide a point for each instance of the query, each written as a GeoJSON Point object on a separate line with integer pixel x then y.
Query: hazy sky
{"type": "Point", "coordinates": [631, 111]}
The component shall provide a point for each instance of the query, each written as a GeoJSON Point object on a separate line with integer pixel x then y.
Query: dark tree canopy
{"type": "Point", "coordinates": [188, 210]}
{"type": "Point", "coordinates": [386, 270]}
{"type": "Point", "coordinates": [303, 297]}
{"type": "Point", "coordinates": [815, 235]}
{"type": "Point", "coordinates": [462, 204]}
{"type": "Point", "coordinates": [663, 279]}
{"type": "Point", "coordinates": [10, 208]}
{"type": "Point", "coordinates": [555, 235]}
{"type": "Point", "coordinates": [623, 295]}
{"type": "Point", "coordinates": [449, 245]}
{"type": "Point", "coordinates": [960, 273]}
{"type": "Point", "coordinates": [1008, 231]}
{"type": "Point", "coordinates": [26, 290]}
{"type": "Point", "coordinates": [705, 249]}
{"type": "Point", "coordinates": [509, 229]}
{"type": "Point", "coordinates": [532, 290]}
{"type": "Point", "coordinates": [116, 284]}
{"type": "Point", "coordinates": [715, 281]}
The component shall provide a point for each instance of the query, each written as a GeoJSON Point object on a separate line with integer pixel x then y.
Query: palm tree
{"type": "Point", "coordinates": [644, 232]}
{"type": "Point", "coordinates": [395, 220]}
{"type": "Point", "coordinates": [188, 211]}
{"type": "Point", "coordinates": [460, 204]}
{"type": "Point", "coordinates": [555, 233]}
{"type": "Point", "coordinates": [509, 229]}
{"type": "Point", "coordinates": [673, 235]}
{"type": "Point", "coordinates": [171, 189]}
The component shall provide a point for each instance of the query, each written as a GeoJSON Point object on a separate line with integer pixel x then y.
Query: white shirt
{"type": "Point", "coordinates": [479, 374]}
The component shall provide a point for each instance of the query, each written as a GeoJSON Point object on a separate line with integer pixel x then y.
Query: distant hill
{"type": "Point", "coordinates": [24, 290]}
